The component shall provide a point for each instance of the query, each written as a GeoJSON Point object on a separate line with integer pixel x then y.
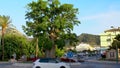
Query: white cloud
{"type": "Point", "coordinates": [98, 23]}
{"type": "Point", "coordinates": [111, 17]}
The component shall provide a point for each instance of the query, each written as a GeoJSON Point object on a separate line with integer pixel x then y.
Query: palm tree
{"type": "Point", "coordinates": [4, 24]}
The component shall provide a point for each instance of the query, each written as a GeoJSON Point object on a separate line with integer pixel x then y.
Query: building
{"type": "Point", "coordinates": [107, 37]}
{"type": "Point", "coordinates": [111, 54]}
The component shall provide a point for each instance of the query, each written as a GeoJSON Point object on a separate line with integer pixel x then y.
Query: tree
{"type": "Point", "coordinates": [73, 40]}
{"type": "Point", "coordinates": [4, 23]}
{"type": "Point", "coordinates": [116, 42]}
{"type": "Point", "coordinates": [17, 43]}
{"type": "Point", "coordinates": [51, 20]}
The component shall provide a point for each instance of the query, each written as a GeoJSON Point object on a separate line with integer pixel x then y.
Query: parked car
{"type": "Point", "coordinates": [71, 60]}
{"type": "Point", "coordinates": [67, 60]}
{"type": "Point", "coordinates": [49, 63]}
{"type": "Point", "coordinates": [32, 59]}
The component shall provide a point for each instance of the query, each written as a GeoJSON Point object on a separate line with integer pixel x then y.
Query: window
{"type": "Point", "coordinates": [112, 54]}
{"type": "Point", "coordinates": [43, 60]}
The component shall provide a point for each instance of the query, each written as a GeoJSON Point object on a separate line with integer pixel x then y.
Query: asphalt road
{"type": "Point", "coordinates": [96, 65]}
{"type": "Point", "coordinates": [82, 65]}
{"type": "Point", "coordinates": [18, 65]}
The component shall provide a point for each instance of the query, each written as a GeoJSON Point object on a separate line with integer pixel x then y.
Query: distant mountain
{"type": "Point", "coordinates": [89, 39]}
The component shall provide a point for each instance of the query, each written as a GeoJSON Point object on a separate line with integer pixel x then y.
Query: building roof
{"type": "Point", "coordinates": [112, 30]}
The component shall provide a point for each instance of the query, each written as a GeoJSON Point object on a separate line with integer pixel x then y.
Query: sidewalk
{"type": "Point", "coordinates": [22, 64]}
{"type": "Point", "coordinates": [102, 61]}
{"type": "Point", "coordinates": [16, 64]}
{"type": "Point", "coordinates": [4, 62]}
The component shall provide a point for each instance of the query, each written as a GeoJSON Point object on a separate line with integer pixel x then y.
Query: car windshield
{"type": "Point", "coordinates": [48, 60]}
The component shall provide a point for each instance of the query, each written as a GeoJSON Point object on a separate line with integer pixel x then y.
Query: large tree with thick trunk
{"type": "Point", "coordinates": [51, 20]}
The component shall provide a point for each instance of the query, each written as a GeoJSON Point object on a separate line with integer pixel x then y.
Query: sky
{"type": "Point", "coordinates": [95, 16]}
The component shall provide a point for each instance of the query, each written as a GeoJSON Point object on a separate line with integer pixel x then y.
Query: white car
{"type": "Point", "coordinates": [49, 63]}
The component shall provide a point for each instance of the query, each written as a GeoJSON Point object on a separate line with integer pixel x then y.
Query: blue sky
{"type": "Point", "coordinates": [95, 15]}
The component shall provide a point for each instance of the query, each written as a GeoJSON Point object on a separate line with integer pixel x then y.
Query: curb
{"type": "Point", "coordinates": [22, 64]}
{"type": "Point", "coordinates": [102, 61]}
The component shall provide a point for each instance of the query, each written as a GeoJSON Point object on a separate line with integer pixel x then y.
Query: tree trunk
{"type": "Point", "coordinates": [52, 52]}
{"type": "Point", "coordinates": [37, 48]}
{"type": "Point", "coordinates": [47, 53]}
{"type": "Point", "coordinates": [2, 44]}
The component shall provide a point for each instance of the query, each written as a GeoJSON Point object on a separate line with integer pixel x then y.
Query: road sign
{"type": "Point", "coordinates": [70, 54]}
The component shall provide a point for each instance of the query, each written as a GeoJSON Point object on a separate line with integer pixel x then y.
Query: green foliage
{"type": "Point", "coordinates": [67, 39]}
{"type": "Point", "coordinates": [60, 43]}
{"type": "Point", "coordinates": [89, 38]}
{"type": "Point", "coordinates": [50, 20]}
{"type": "Point", "coordinates": [117, 37]}
{"type": "Point", "coordinates": [73, 39]}
{"type": "Point", "coordinates": [5, 21]}
{"type": "Point", "coordinates": [45, 43]}
{"type": "Point", "coordinates": [59, 52]}
{"type": "Point", "coordinates": [44, 17]}
{"type": "Point", "coordinates": [116, 42]}
{"type": "Point", "coordinates": [4, 24]}
{"type": "Point", "coordinates": [15, 43]}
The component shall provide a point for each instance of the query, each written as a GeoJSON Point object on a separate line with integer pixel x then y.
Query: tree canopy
{"type": "Point", "coordinates": [50, 20]}
{"type": "Point", "coordinates": [43, 17]}
{"type": "Point", "coordinates": [4, 24]}
{"type": "Point", "coordinates": [116, 42]}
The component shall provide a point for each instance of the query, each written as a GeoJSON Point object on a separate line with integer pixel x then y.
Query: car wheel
{"type": "Point", "coordinates": [37, 67]}
{"type": "Point", "coordinates": [62, 67]}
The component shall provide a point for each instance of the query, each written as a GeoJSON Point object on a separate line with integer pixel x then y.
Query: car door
{"type": "Point", "coordinates": [53, 64]}
{"type": "Point", "coordinates": [44, 63]}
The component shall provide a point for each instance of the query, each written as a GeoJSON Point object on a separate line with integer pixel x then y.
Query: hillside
{"type": "Point", "coordinates": [89, 38]}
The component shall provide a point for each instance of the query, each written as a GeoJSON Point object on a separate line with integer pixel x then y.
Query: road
{"type": "Point", "coordinates": [96, 65]}
{"type": "Point", "coordinates": [18, 65]}
{"type": "Point", "coordinates": [87, 64]}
